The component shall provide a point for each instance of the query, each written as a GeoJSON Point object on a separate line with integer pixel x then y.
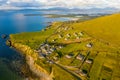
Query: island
{"type": "Point", "coordinates": [72, 17]}
{"type": "Point", "coordinates": [88, 50]}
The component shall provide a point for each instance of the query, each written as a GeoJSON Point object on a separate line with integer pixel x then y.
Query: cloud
{"type": "Point", "coordinates": [8, 7]}
{"type": "Point", "coordinates": [81, 3]}
{"type": "Point", "coordinates": [60, 3]}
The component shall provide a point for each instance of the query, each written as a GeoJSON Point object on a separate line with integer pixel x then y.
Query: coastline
{"type": "Point", "coordinates": [30, 57]}
{"type": "Point", "coordinates": [93, 50]}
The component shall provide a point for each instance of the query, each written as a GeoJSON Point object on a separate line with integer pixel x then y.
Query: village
{"type": "Point", "coordinates": [47, 49]}
{"type": "Point", "coordinates": [77, 60]}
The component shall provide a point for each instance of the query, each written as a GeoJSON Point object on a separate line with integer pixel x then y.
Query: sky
{"type": "Point", "coordinates": [18, 4]}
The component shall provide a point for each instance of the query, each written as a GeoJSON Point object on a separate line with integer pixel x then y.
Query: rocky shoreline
{"type": "Point", "coordinates": [17, 63]}
{"type": "Point", "coordinates": [30, 70]}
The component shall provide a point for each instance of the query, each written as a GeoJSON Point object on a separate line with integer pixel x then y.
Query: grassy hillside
{"type": "Point", "coordinates": [84, 50]}
{"type": "Point", "coordinates": [105, 28]}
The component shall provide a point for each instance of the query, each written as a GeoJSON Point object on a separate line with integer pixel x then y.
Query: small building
{"type": "Point", "coordinates": [49, 52]}
{"type": "Point", "coordinates": [80, 57]}
{"type": "Point", "coordinates": [89, 61]}
{"type": "Point", "coordinates": [83, 73]}
{"type": "Point", "coordinates": [68, 35]}
{"type": "Point", "coordinates": [75, 34]}
{"type": "Point", "coordinates": [47, 45]}
{"type": "Point", "coordinates": [51, 62]}
{"type": "Point", "coordinates": [42, 55]}
{"type": "Point", "coordinates": [60, 47]}
{"type": "Point", "coordinates": [66, 39]}
{"type": "Point", "coordinates": [65, 28]}
{"type": "Point", "coordinates": [60, 36]}
{"type": "Point", "coordinates": [42, 44]}
{"type": "Point", "coordinates": [78, 37]}
{"type": "Point", "coordinates": [53, 40]}
{"type": "Point", "coordinates": [89, 45]}
{"type": "Point", "coordinates": [55, 58]}
{"type": "Point", "coordinates": [42, 47]}
{"type": "Point", "coordinates": [81, 33]}
{"type": "Point", "coordinates": [44, 50]}
{"type": "Point", "coordinates": [70, 55]}
{"type": "Point", "coordinates": [53, 46]}
{"type": "Point", "coordinates": [52, 49]}
{"type": "Point", "coordinates": [38, 51]}
{"type": "Point", "coordinates": [44, 30]}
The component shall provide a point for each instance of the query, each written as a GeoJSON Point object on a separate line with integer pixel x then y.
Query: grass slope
{"type": "Point", "coordinates": [105, 28]}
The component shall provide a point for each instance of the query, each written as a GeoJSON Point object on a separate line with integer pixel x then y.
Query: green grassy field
{"type": "Point", "coordinates": [104, 35]}
{"type": "Point", "coordinates": [104, 28]}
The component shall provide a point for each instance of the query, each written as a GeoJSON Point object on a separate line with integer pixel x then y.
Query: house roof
{"type": "Point", "coordinates": [89, 45]}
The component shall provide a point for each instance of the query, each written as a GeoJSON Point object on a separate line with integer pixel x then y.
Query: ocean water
{"type": "Point", "coordinates": [15, 21]}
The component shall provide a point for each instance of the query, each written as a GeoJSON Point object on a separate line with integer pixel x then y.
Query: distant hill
{"type": "Point", "coordinates": [105, 28]}
{"type": "Point", "coordinates": [107, 10]}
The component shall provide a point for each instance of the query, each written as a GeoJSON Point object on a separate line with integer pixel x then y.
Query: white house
{"type": "Point", "coordinates": [89, 45]}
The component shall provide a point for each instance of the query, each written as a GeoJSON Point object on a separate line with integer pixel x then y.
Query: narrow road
{"type": "Point", "coordinates": [84, 60]}
{"type": "Point", "coordinates": [72, 73]}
